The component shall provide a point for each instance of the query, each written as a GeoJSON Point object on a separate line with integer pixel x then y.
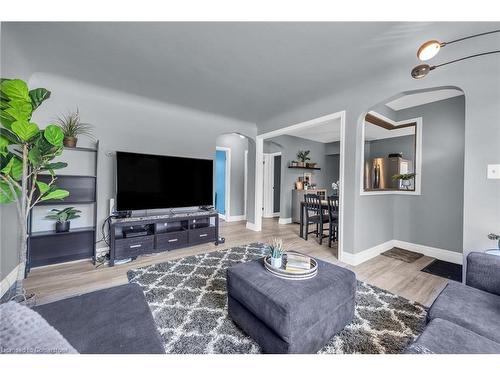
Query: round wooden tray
{"type": "Point", "coordinates": [291, 275]}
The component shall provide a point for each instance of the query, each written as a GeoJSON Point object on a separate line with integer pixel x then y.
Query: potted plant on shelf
{"type": "Point", "coordinates": [405, 179]}
{"type": "Point", "coordinates": [277, 250]}
{"type": "Point", "coordinates": [72, 127]}
{"type": "Point", "coordinates": [25, 152]}
{"type": "Point", "coordinates": [303, 157]}
{"type": "Point", "coordinates": [63, 218]}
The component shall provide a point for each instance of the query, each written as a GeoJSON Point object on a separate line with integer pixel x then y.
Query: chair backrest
{"type": "Point", "coordinates": [313, 204]}
{"type": "Point", "coordinates": [333, 206]}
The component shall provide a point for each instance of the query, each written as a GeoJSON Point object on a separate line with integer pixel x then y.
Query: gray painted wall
{"type": "Point", "coordinates": [435, 218]}
{"type": "Point", "coordinates": [238, 147]}
{"type": "Point", "coordinates": [129, 123]}
{"type": "Point", "coordinates": [289, 146]}
{"type": "Point", "coordinates": [332, 171]}
{"type": "Point", "coordinates": [332, 148]}
{"type": "Point", "coordinates": [380, 148]}
{"type": "Point", "coordinates": [369, 220]}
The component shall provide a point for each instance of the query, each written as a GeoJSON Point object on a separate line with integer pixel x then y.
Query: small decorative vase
{"type": "Point", "coordinates": [276, 262]}
{"type": "Point", "coordinates": [62, 226]}
{"type": "Point", "coordinates": [301, 164]}
{"type": "Point", "coordinates": [70, 142]}
{"type": "Point", "coordinates": [406, 184]}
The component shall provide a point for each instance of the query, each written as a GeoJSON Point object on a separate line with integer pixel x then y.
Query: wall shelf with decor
{"type": "Point", "coordinates": [297, 167]}
{"type": "Point", "coordinates": [47, 247]}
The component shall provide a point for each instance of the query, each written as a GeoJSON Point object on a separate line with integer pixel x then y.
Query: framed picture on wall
{"type": "Point", "coordinates": [308, 177]}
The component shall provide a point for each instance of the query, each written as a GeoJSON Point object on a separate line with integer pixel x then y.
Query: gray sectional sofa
{"type": "Point", "coordinates": [110, 321]}
{"type": "Point", "coordinates": [465, 319]}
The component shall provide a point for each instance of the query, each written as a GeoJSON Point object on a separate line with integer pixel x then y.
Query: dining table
{"type": "Point", "coordinates": [324, 206]}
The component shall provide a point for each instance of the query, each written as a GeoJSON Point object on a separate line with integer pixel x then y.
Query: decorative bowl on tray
{"type": "Point", "coordinates": [295, 266]}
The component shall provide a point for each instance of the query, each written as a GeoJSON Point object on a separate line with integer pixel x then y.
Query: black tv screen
{"type": "Point", "coordinates": [153, 181]}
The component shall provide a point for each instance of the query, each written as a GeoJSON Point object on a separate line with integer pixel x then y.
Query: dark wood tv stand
{"type": "Point", "coordinates": [153, 234]}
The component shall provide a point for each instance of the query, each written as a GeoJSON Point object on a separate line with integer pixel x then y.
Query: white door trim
{"type": "Point", "coordinates": [273, 155]}
{"type": "Point", "coordinates": [259, 171]}
{"type": "Point", "coordinates": [227, 188]}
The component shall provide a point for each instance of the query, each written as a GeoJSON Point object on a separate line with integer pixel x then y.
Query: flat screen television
{"type": "Point", "coordinates": [154, 181]}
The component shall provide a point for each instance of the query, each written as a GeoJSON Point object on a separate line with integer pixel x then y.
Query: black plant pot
{"type": "Point", "coordinates": [62, 226]}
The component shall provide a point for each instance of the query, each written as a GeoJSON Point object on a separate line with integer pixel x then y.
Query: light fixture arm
{"type": "Point", "coordinates": [469, 37]}
{"type": "Point", "coordinates": [464, 58]}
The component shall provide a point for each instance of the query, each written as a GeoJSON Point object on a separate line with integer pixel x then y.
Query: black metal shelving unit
{"type": "Point", "coordinates": [51, 247]}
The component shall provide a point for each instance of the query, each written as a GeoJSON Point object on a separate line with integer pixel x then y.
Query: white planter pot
{"type": "Point", "coordinates": [276, 262]}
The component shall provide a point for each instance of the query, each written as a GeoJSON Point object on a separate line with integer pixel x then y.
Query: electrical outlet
{"type": "Point", "coordinates": [493, 171]}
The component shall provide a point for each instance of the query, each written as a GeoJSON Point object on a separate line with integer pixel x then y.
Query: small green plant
{"type": "Point", "coordinates": [66, 214]}
{"type": "Point", "coordinates": [276, 248]}
{"type": "Point", "coordinates": [72, 127]}
{"type": "Point", "coordinates": [303, 156]}
{"type": "Point", "coordinates": [404, 176]}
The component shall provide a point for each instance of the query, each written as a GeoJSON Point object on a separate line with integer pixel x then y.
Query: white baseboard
{"type": "Point", "coordinates": [434, 252]}
{"type": "Point", "coordinates": [223, 217]}
{"type": "Point", "coordinates": [363, 256]}
{"type": "Point", "coordinates": [286, 220]}
{"type": "Point", "coordinates": [270, 216]}
{"type": "Point", "coordinates": [8, 281]}
{"type": "Point", "coordinates": [252, 226]}
{"type": "Point", "coordinates": [236, 218]}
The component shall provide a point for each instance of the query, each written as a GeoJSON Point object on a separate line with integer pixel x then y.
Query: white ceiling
{"type": "Point", "coordinates": [251, 71]}
{"type": "Point", "coordinates": [325, 132]}
{"type": "Point", "coordinates": [414, 100]}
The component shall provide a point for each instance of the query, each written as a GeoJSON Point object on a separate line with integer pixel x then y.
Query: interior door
{"type": "Point", "coordinates": [220, 181]}
{"type": "Point", "coordinates": [268, 203]}
{"type": "Point", "coordinates": [277, 184]}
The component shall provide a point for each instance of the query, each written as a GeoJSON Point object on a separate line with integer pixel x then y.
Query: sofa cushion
{"type": "Point", "coordinates": [291, 308]}
{"type": "Point", "coordinates": [24, 331]}
{"type": "Point", "coordinates": [483, 272]}
{"type": "Point", "coordinates": [444, 337]}
{"type": "Point", "coordinates": [470, 308]}
{"type": "Point", "coordinates": [114, 320]}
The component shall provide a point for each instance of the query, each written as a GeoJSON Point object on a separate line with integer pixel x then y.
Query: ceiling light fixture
{"type": "Point", "coordinates": [420, 71]}
{"type": "Point", "coordinates": [431, 48]}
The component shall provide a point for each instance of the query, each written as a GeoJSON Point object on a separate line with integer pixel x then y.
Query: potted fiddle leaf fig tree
{"type": "Point", "coordinates": [63, 217]}
{"type": "Point", "coordinates": [26, 152]}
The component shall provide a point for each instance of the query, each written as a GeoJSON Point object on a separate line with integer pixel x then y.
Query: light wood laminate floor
{"type": "Point", "coordinates": [55, 282]}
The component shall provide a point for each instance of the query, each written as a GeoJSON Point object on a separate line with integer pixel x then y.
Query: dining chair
{"type": "Point", "coordinates": [315, 216]}
{"type": "Point", "coordinates": [333, 219]}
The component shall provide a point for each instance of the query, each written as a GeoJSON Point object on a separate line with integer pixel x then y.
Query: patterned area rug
{"type": "Point", "coordinates": [188, 299]}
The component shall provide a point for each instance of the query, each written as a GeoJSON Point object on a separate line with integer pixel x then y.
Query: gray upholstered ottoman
{"type": "Point", "coordinates": [286, 316]}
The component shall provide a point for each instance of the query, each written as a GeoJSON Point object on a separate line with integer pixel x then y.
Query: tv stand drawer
{"type": "Point", "coordinates": [200, 235]}
{"type": "Point", "coordinates": [168, 241]}
{"type": "Point", "coordinates": [132, 247]}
